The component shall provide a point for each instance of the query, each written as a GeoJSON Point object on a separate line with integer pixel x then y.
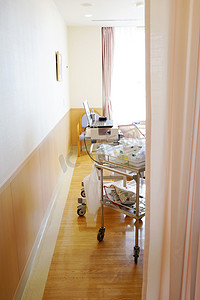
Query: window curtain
{"type": "Point", "coordinates": [172, 225]}
{"type": "Point", "coordinates": [107, 66]}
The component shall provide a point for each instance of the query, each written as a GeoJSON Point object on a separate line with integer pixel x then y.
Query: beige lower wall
{"type": "Point", "coordinates": [24, 199]}
{"type": "Point", "coordinates": [75, 114]}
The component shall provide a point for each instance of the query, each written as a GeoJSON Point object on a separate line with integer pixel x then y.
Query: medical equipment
{"type": "Point", "coordinates": [92, 122]}
{"type": "Point", "coordinates": [125, 161]}
{"type": "Point", "coordinates": [101, 133]}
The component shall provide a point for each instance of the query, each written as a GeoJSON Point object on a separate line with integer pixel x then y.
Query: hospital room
{"type": "Point", "coordinates": [100, 149]}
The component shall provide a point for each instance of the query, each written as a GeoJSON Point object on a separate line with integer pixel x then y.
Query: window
{"type": "Point", "coordinates": [128, 79]}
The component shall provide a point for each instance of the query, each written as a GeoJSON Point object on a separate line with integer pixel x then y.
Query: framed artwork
{"type": "Point", "coordinates": [58, 66]}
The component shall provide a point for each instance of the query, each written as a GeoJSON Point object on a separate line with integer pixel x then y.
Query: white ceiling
{"type": "Point", "coordinates": [102, 12]}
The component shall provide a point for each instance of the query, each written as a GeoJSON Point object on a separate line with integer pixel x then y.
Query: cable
{"type": "Point", "coordinates": [89, 153]}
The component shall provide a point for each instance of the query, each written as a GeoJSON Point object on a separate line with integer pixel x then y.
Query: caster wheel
{"type": "Point", "coordinates": [81, 212]}
{"type": "Point", "coordinates": [136, 253]}
{"type": "Point", "coordinates": [83, 193]}
{"type": "Point", "coordinates": [100, 234]}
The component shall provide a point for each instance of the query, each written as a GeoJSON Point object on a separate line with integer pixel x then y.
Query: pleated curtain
{"type": "Point", "coordinates": [107, 67]}
{"type": "Point", "coordinates": [172, 225]}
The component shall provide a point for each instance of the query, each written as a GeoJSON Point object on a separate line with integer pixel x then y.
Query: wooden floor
{"type": "Point", "coordinates": [83, 268]}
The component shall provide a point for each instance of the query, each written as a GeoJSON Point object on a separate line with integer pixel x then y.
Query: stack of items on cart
{"type": "Point", "coordinates": [129, 151]}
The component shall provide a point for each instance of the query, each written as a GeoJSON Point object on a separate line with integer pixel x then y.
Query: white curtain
{"type": "Point", "coordinates": [171, 260]}
{"type": "Point", "coordinates": [107, 68]}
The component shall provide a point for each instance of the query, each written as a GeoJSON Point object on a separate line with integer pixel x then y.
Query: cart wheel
{"type": "Point", "coordinates": [81, 212]}
{"type": "Point", "coordinates": [136, 253]}
{"type": "Point", "coordinates": [83, 192]}
{"type": "Point", "coordinates": [100, 234]}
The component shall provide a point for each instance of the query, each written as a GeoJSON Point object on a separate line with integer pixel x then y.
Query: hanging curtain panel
{"type": "Point", "coordinates": [172, 224]}
{"type": "Point", "coordinates": [107, 67]}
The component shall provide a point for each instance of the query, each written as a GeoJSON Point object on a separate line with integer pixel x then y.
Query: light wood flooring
{"type": "Point", "coordinates": [83, 268]}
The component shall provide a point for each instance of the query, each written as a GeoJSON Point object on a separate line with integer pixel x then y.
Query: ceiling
{"type": "Point", "coordinates": [102, 12]}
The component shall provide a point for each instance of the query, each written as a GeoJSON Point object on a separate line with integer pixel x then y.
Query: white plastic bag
{"type": "Point", "coordinates": [92, 192]}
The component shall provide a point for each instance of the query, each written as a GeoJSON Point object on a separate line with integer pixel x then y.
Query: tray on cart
{"type": "Point", "coordinates": [127, 207]}
{"type": "Point", "coordinates": [127, 210]}
{"type": "Point", "coordinates": [124, 153]}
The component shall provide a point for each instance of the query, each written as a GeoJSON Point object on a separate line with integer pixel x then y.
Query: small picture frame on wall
{"type": "Point", "coordinates": [58, 66]}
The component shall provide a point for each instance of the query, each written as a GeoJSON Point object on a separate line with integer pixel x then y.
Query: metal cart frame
{"type": "Point", "coordinates": [123, 170]}
{"type": "Point", "coordinates": [126, 172]}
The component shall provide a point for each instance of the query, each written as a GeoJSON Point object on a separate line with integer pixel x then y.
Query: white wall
{"type": "Point", "coordinates": [85, 64]}
{"type": "Point", "coordinates": [31, 100]}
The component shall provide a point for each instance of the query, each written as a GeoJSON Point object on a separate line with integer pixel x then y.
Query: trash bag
{"type": "Point", "coordinates": [92, 188]}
